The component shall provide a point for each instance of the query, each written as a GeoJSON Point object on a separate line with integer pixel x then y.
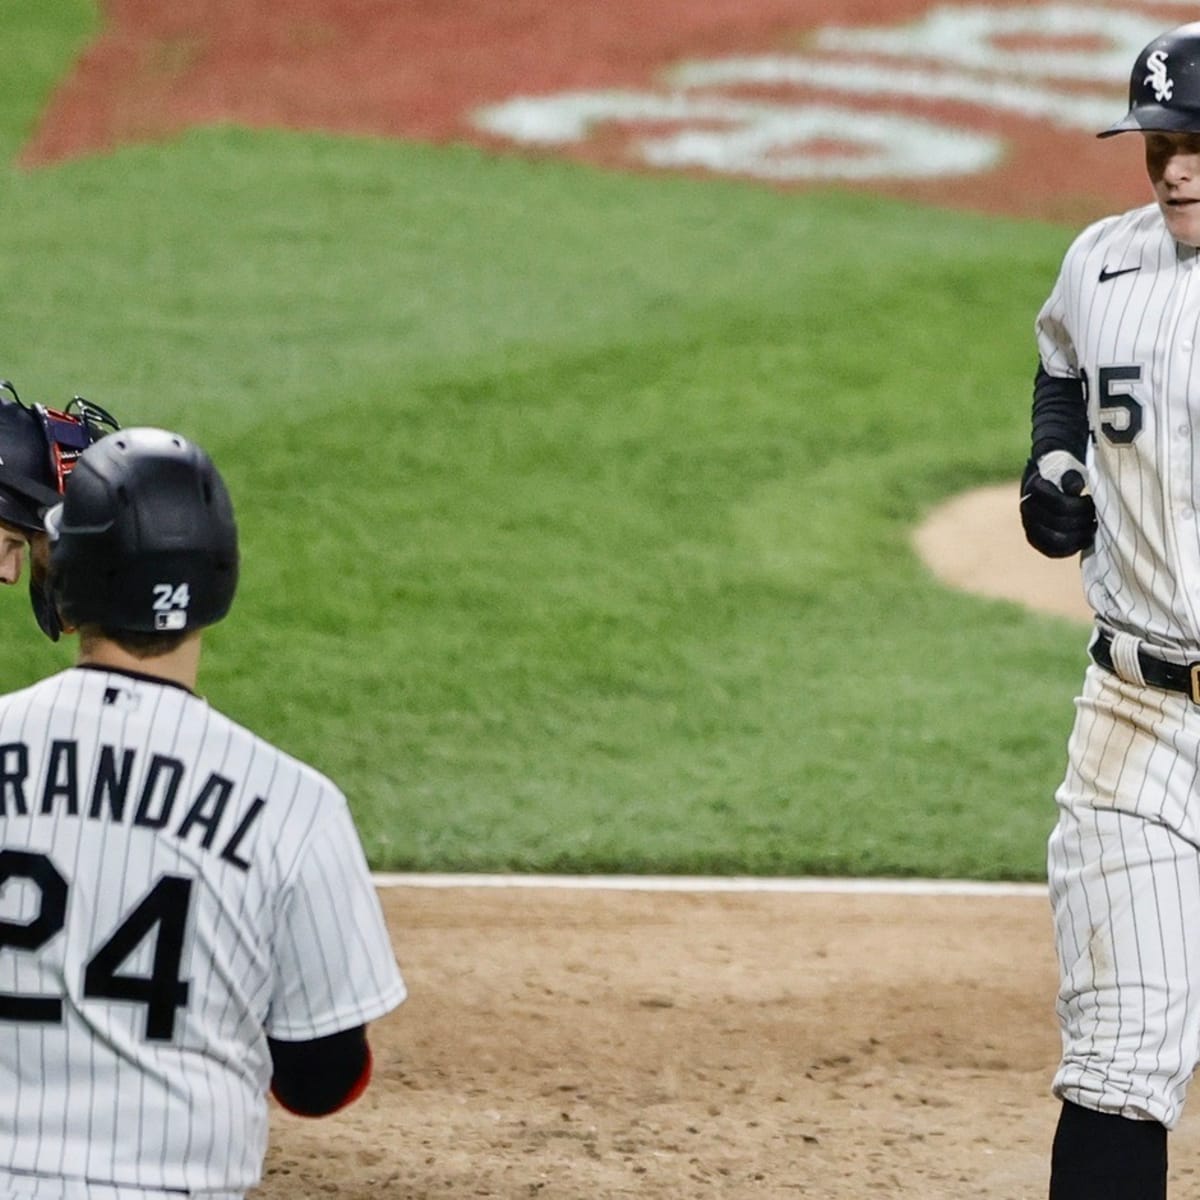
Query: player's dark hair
{"type": "Point", "coordinates": [138, 645]}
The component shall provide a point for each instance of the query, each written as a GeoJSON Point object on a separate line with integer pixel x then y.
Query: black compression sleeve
{"type": "Point", "coordinates": [317, 1077]}
{"type": "Point", "coordinates": [1059, 415]}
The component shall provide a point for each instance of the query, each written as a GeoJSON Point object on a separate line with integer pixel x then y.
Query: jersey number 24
{"type": "Point", "coordinates": [162, 911]}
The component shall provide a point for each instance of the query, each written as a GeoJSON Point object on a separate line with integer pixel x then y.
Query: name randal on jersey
{"type": "Point", "coordinates": [109, 795]}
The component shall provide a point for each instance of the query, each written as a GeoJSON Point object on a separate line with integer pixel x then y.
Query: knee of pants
{"type": "Point", "coordinates": [1124, 890]}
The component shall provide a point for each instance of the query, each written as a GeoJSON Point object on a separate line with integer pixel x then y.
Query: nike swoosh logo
{"type": "Point", "coordinates": [1106, 274]}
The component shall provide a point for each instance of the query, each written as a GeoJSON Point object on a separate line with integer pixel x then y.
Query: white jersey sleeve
{"type": "Point", "coordinates": [1124, 318]}
{"type": "Point", "coordinates": [335, 968]}
{"type": "Point", "coordinates": [1054, 326]}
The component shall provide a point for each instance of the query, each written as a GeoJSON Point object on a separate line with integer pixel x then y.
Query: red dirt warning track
{"type": "Point", "coordinates": [420, 70]}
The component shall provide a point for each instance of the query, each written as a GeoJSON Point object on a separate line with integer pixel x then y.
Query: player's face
{"type": "Point", "coordinates": [13, 544]}
{"type": "Point", "coordinates": [1173, 164]}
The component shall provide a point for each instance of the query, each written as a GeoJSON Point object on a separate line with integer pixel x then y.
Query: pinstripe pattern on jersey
{"type": "Point", "coordinates": [1143, 574]}
{"type": "Point", "coordinates": [284, 933]}
{"type": "Point", "coordinates": [1124, 857]}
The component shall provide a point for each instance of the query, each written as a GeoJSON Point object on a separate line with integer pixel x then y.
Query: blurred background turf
{"type": "Point", "coordinates": [575, 507]}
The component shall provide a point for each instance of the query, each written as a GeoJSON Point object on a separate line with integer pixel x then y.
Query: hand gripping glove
{"type": "Point", "coordinates": [1058, 517]}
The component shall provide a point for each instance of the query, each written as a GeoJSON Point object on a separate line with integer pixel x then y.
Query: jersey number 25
{"type": "Point", "coordinates": [1120, 410]}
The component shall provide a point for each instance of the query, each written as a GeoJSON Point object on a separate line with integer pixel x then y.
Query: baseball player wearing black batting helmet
{"type": "Point", "coordinates": [1164, 85]}
{"type": "Point", "coordinates": [201, 930]}
{"type": "Point", "coordinates": [1114, 476]}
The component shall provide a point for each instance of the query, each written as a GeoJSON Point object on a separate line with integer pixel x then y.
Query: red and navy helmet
{"type": "Point", "coordinates": [38, 449]}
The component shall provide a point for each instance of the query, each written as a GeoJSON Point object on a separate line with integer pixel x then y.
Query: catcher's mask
{"type": "Point", "coordinates": [1164, 87]}
{"type": "Point", "coordinates": [39, 446]}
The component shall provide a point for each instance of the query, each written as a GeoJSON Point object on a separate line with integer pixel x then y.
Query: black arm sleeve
{"type": "Point", "coordinates": [318, 1077]}
{"type": "Point", "coordinates": [1059, 415]}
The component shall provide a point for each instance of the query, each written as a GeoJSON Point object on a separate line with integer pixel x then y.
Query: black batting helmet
{"type": "Point", "coordinates": [1164, 88]}
{"type": "Point", "coordinates": [144, 540]}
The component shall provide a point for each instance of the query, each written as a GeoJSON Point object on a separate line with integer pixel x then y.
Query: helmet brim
{"type": "Point", "coordinates": [1154, 118]}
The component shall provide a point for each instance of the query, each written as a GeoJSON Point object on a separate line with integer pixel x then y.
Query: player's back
{"type": "Point", "coordinates": [146, 846]}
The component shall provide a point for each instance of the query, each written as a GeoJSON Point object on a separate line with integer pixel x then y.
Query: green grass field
{"type": "Point", "coordinates": [575, 507]}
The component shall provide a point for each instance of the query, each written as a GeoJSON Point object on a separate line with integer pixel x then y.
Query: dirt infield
{"type": "Point", "coordinates": [666, 1046]}
{"type": "Point", "coordinates": [602, 1044]}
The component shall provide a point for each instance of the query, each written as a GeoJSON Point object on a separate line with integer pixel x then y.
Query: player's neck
{"type": "Point", "coordinates": [181, 665]}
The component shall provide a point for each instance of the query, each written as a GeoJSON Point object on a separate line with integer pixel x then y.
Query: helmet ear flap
{"type": "Point", "coordinates": [41, 600]}
{"type": "Point", "coordinates": [41, 582]}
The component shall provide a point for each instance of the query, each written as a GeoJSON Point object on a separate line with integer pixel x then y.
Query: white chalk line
{"type": "Point", "coordinates": [814, 885]}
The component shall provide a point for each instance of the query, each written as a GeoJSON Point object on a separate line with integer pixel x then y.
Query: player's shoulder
{"type": "Point", "coordinates": [1120, 230]}
{"type": "Point", "coordinates": [282, 772]}
{"type": "Point", "coordinates": [45, 691]}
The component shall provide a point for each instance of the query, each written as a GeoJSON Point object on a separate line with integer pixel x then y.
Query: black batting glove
{"type": "Point", "coordinates": [1058, 517]}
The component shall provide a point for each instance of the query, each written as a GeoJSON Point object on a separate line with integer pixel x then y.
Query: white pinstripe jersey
{"type": "Point", "coordinates": [174, 890]}
{"type": "Point", "coordinates": [1125, 315]}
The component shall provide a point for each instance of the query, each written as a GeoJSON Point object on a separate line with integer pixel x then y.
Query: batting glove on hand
{"type": "Point", "coordinates": [1058, 516]}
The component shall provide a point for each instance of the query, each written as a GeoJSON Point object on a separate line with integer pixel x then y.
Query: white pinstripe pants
{"type": "Point", "coordinates": [1124, 872]}
{"type": "Point", "coordinates": [20, 1186]}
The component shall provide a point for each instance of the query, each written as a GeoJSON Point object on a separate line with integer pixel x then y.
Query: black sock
{"type": "Point", "coordinates": [1099, 1156]}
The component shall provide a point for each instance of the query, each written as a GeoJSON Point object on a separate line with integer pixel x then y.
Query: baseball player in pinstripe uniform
{"type": "Point", "coordinates": [38, 448]}
{"type": "Point", "coordinates": [1115, 474]}
{"type": "Point", "coordinates": [186, 917]}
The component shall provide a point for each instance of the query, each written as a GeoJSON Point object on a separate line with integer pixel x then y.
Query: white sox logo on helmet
{"type": "Point", "coordinates": [1163, 84]}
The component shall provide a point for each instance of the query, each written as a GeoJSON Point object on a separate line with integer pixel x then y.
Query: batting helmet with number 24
{"type": "Point", "coordinates": [145, 539]}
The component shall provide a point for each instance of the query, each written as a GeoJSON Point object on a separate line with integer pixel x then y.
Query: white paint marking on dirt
{"type": "Point", "coordinates": [1063, 109]}
{"type": "Point", "coordinates": [719, 883]}
{"type": "Point", "coordinates": [768, 141]}
{"type": "Point", "coordinates": [973, 36]}
{"type": "Point", "coordinates": [1006, 59]}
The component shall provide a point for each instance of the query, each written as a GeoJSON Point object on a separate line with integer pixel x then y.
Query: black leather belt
{"type": "Point", "coordinates": [1171, 677]}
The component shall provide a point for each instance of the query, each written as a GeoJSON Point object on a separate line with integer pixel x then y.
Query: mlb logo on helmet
{"type": "Point", "coordinates": [171, 606]}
